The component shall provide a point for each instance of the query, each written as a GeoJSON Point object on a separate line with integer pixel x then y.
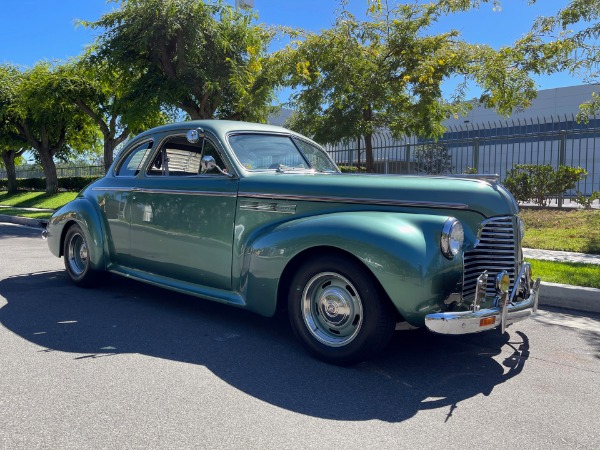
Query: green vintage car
{"type": "Point", "coordinates": [260, 217]}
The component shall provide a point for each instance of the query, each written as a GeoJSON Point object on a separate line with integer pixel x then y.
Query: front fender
{"type": "Point", "coordinates": [401, 250]}
{"type": "Point", "coordinates": [84, 213]}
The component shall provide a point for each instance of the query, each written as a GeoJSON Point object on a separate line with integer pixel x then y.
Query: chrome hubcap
{"type": "Point", "coordinates": [78, 254]}
{"type": "Point", "coordinates": [332, 309]}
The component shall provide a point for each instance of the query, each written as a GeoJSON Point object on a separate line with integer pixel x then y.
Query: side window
{"type": "Point", "coordinates": [134, 161]}
{"type": "Point", "coordinates": [177, 157]}
{"type": "Point", "coordinates": [316, 157]}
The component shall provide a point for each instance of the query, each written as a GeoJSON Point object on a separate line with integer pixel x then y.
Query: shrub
{"type": "Point", "coordinates": [352, 169]}
{"type": "Point", "coordinates": [74, 184]}
{"type": "Point", "coordinates": [586, 201]}
{"type": "Point", "coordinates": [433, 159]}
{"type": "Point", "coordinates": [539, 183]}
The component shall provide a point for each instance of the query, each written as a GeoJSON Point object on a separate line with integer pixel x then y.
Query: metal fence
{"type": "Point", "coordinates": [62, 172]}
{"type": "Point", "coordinates": [492, 148]}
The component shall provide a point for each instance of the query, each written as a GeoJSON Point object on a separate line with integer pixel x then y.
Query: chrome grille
{"type": "Point", "coordinates": [496, 250]}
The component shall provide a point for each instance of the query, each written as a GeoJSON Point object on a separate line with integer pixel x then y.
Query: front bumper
{"type": "Point", "coordinates": [505, 313]}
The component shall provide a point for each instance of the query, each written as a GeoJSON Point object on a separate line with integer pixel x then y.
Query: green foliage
{"type": "Point", "coordinates": [471, 171]}
{"type": "Point", "coordinates": [586, 201]}
{"type": "Point", "coordinates": [352, 169]}
{"type": "Point", "coordinates": [201, 56]}
{"type": "Point", "coordinates": [433, 159]}
{"type": "Point", "coordinates": [539, 183]}
{"type": "Point", "coordinates": [568, 41]}
{"type": "Point", "coordinates": [46, 121]}
{"type": "Point", "coordinates": [73, 184]}
{"type": "Point", "coordinates": [12, 145]}
{"type": "Point", "coordinates": [388, 71]}
{"type": "Point", "coordinates": [112, 99]}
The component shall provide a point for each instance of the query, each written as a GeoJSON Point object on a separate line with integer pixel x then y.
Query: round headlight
{"type": "Point", "coordinates": [453, 237]}
{"type": "Point", "coordinates": [502, 282]}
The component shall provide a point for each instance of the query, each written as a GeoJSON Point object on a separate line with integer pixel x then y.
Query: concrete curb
{"type": "Point", "coordinates": [36, 223]}
{"type": "Point", "coordinates": [572, 297]}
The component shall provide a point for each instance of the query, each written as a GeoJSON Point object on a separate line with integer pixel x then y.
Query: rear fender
{"type": "Point", "coordinates": [82, 212]}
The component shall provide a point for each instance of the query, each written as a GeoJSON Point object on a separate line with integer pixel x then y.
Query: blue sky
{"type": "Point", "coordinates": [34, 30]}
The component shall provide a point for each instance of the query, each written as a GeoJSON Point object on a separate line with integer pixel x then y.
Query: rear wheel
{"type": "Point", "coordinates": [338, 312]}
{"type": "Point", "coordinates": [76, 254]}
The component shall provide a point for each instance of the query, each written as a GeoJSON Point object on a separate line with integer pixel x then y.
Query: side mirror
{"type": "Point", "coordinates": [208, 163]}
{"type": "Point", "coordinates": [194, 136]}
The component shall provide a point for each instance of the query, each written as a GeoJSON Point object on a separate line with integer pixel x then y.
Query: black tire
{"type": "Point", "coordinates": [338, 312]}
{"type": "Point", "coordinates": [77, 259]}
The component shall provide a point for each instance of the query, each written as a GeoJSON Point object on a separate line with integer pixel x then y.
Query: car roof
{"type": "Point", "coordinates": [217, 127]}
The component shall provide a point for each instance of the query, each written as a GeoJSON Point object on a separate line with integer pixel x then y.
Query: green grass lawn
{"type": "Point", "coordinates": [577, 274]}
{"type": "Point", "coordinates": [568, 230]}
{"type": "Point", "coordinates": [29, 199]}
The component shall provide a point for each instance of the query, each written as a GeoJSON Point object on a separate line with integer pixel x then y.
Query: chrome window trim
{"type": "Point", "coordinates": [161, 142]}
{"type": "Point", "coordinates": [130, 147]}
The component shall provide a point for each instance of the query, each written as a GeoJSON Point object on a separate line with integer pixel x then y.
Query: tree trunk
{"type": "Point", "coordinates": [368, 117]}
{"type": "Point", "coordinates": [11, 173]}
{"type": "Point", "coordinates": [369, 153]}
{"type": "Point", "coordinates": [109, 148]}
{"type": "Point", "coordinates": [49, 170]}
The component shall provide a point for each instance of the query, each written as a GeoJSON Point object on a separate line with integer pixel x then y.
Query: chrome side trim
{"type": "Point", "coordinates": [268, 207]}
{"type": "Point", "coordinates": [169, 191]}
{"type": "Point", "coordinates": [359, 201]}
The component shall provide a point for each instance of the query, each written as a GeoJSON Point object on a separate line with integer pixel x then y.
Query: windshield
{"type": "Point", "coordinates": [280, 153]}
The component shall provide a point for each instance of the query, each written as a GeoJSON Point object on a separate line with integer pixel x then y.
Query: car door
{"type": "Point", "coordinates": [114, 201]}
{"type": "Point", "coordinates": [182, 218]}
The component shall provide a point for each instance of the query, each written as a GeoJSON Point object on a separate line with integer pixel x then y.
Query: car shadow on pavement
{"type": "Point", "coordinates": [259, 356]}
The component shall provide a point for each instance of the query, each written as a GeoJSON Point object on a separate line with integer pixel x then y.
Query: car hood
{"type": "Point", "coordinates": [487, 198]}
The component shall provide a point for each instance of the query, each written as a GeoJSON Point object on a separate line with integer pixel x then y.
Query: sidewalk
{"type": "Point", "coordinates": [553, 255]}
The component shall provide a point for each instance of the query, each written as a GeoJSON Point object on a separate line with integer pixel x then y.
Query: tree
{"type": "Point", "coordinates": [47, 122]}
{"type": "Point", "coordinates": [109, 96]}
{"type": "Point", "coordinates": [566, 41]}
{"type": "Point", "coordinates": [203, 57]}
{"type": "Point", "coordinates": [387, 72]}
{"type": "Point", "coordinates": [12, 146]}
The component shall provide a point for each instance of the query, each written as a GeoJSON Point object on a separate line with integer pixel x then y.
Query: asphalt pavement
{"type": "Point", "coordinates": [130, 365]}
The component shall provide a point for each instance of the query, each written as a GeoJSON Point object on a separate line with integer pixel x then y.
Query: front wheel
{"type": "Point", "coordinates": [76, 254]}
{"type": "Point", "coordinates": [338, 312]}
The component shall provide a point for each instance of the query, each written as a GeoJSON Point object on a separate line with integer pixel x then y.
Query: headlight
{"type": "Point", "coordinates": [502, 282]}
{"type": "Point", "coordinates": [521, 226]}
{"type": "Point", "coordinates": [452, 239]}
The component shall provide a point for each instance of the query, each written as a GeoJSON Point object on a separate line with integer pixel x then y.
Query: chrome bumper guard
{"type": "Point", "coordinates": [504, 312]}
